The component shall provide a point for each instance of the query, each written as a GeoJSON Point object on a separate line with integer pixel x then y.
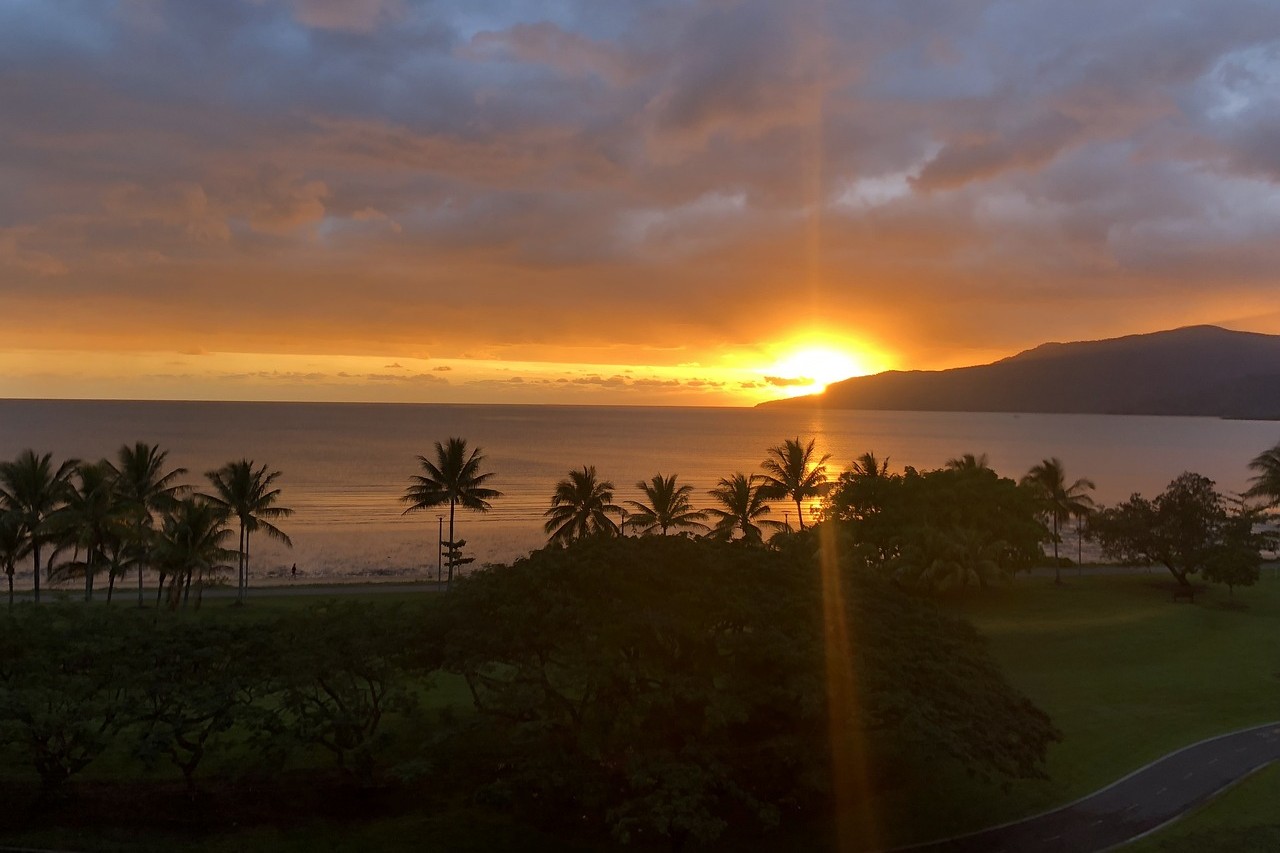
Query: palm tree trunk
{"type": "Point", "coordinates": [111, 582]}
{"type": "Point", "coordinates": [240, 567]}
{"type": "Point", "coordinates": [9, 572]}
{"type": "Point", "coordinates": [160, 587]}
{"type": "Point", "coordinates": [799, 512]}
{"type": "Point", "coordinates": [88, 575]}
{"type": "Point", "coordinates": [452, 548]}
{"type": "Point", "coordinates": [35, 552]}
{"type": "Point", "coordinates": [1057, 567]}
{"type": "Point", "coordinates": [140, 562]}
{"type": "Point", "coordinates": [186, 592]}
{"type": "Point", "coordinates": [245, 592]}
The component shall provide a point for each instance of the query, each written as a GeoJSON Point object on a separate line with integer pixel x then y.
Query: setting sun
{"type": "Point", "coordinates": [811, 369]}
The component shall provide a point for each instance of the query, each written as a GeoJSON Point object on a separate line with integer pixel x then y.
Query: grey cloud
{"type": "Point", "coordinates": [694, 152]}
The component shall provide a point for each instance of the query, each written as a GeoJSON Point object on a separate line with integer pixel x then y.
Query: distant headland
{"type": "Point", "coordinates": [1203, 371]}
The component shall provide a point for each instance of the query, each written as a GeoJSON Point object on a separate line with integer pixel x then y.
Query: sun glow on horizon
{"type": "Point", "coordinates": [810, 369]}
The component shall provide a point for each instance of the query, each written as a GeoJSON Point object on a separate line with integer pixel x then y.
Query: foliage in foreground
{"type": "Point", "coordinates": [654, 688]}
{"type": "Point", "coordinates": [671, 687]}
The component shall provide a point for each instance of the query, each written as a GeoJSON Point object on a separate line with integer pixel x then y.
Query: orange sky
{"type": "Point", "coordinates": [672, 202]}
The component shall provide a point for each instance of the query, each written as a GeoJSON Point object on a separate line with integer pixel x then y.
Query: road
{"type": "Point", "coordinates": [1135, 805]}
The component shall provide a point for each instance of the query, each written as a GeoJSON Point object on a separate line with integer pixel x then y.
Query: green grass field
{"type": "Point", "coordinates": [1126, 675]}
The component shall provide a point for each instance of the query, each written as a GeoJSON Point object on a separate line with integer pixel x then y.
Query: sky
{"type": "Point", "coordinates": [676, 202]}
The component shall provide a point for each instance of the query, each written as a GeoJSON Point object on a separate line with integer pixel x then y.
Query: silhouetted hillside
{"type": "Point", "coordinates": [1198, 370]}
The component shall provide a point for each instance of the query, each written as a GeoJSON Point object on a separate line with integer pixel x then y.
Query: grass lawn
{"type": "Point", "coordinates": [1126, 675]}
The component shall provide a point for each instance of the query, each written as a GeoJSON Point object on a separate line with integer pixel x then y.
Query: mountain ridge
{"type": "Point", "coordinates": [1201, 370]}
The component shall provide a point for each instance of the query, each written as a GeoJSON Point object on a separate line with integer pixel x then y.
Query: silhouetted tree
{"type": "Point", "coordinates": [190, 544]}
{"type": "Point", "coordinates": [745, 506]}
{"type": "Point", "coordinates": [932, 529]}
{"type": "Point", "coordinates": [146, 489]}
{"type": "Point", "coordinates": [453, 478]}
{"type": "Point", "coordinates": [580, 507]}
{"type": "Point", "coordinates": [63, 686]}
{"type": "Point", "coordinates": [14, 545]}
{"type": "Point", "coordinates": [668, 507]}
{"type": "Point", "coordinates": [1266, 483]}
{"type": "Point", "coordinates": [790, 471]}
{"type": "Point", "coordinates": [91, 517]}
{"type": "Point", "coordinates": [1238, 562]}
{"type": "Point", "coordinates": [1185, 528]}
{"type": "Point", "coordinates": [700, 701]}
{"type": "Point", "coordinates": [248, 493]}
{"type": "Point", "coordinates": [202, 678]}
{"type": "Point", "coordinates": [968, 462]}
{"type": "Point", "coordinates": [1057, 500]}
{"type": "Point", "coordinates": [34, 488]}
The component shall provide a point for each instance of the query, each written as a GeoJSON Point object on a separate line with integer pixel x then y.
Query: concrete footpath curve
{"type": "Point", "coordinates": [1139, 803]}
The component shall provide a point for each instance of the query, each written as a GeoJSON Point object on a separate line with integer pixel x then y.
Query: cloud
{"type": "Point", "coordinates": [787, 382]}
{"type": "Point", "coordinates": [633, 184]}
{"type": "Point", "coordinates": [354, 16]}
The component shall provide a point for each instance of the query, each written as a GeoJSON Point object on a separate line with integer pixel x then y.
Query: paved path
{"type": "Point", "coordinates": [1137, 804]}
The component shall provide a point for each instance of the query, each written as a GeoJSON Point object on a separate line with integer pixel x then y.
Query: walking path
{"type": "Point", "coordinates": [1139, 803]}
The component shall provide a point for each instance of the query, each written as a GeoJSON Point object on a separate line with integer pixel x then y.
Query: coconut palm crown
{"type": "Point", "coordinates": [745, 505]}
{"type": "Point", "coordinates": [669, 506]}
{"type": "Point", "coordinates": [1266, 483]}
{"type": "Point", "coordinates": [1058, 501]}
{"type": "Point", "coordinates": [250, 495]}
{"type": "Point", "coordinates": [452, 478]}
{"type": "Point", "coordinates": [33, 488]}
{"type": "Point", "coordinates": [580, 507]}
{"type": "Point", "coordinates": [790, 471]}
{"type": "Point", "coordinates": [146, 489]}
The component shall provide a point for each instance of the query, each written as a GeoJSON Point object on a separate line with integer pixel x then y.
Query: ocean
{"type": "Point", "coordinates": [345, 466]}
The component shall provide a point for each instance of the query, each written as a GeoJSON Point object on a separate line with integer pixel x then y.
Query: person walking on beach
{"type": "Point", "coordinates": [295, 571]}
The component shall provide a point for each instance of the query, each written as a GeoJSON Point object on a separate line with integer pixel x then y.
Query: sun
{"type": "Point", "coordinates": [810, 369]}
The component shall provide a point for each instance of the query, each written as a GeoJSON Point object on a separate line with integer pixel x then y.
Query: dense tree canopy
{"type": "Point", "coordinates": [1187, 528]}
{"type": "Point", "coordinates": [951, 526]}
{"type": "Point", "coordinates": [668, 686]}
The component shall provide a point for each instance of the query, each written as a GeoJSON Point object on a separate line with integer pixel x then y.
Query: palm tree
{"type": "Point", "coordinates": [190, 544]}
{"type": "Point", "coordinates": [1266, 485]}
{"type": "Point", "coordinates": [968, 462]}
{"type": "Point", "coordinates": [668, 506]}
{"type": "Point", "coordinates": [32, 487]}
{"type": "Point", "coordinates": [248, 494]}
{"type": "Point", "coordinates": [744, 500]}
{"type": "Point", "coordinates": [791, 472]}
{"type": "Point", "coordinates": [14, 545]}
{"type": "Point", "coordinates": [146, 490]}
{"type": "Point", "coordinates": [580, 507]}
{"type": "Point", "coordinates": [92, 515]}
{"type": "Point", "coordinates": [1058, 501]}
{"type": "Point", "coordinates": [867, 467]}
{"type": "Point", "coordinates": [453, 478]}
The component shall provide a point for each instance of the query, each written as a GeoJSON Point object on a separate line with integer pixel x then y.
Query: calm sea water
{"type": "Point", "coordinates": [345, 466]}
